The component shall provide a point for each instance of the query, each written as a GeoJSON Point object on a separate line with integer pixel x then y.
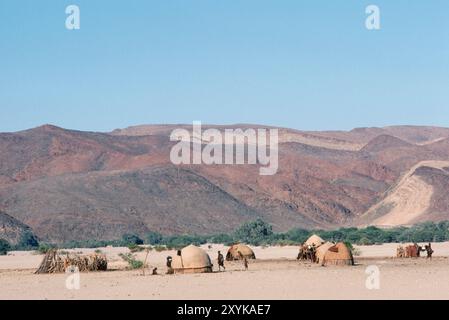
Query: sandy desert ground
{"type": "Point", "coordinates": [274, 275]}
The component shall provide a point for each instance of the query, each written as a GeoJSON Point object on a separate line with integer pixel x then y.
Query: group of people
{"type": "Point", "coordinates": [307, 252]}
{"type": "Point", "coordinates": [414, 251]}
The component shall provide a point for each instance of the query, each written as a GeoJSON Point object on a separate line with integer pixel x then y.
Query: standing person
{"type": "Point", "coordinates": [220, 259]}
{"type": "Point", "coordinates": [169, 267]}
{"type": "Point", "coordinates": [429, 251]}
{"type": "Point", "coordinates": [245, 261]}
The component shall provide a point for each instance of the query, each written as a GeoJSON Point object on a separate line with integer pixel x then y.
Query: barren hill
{"type": "Point", "coordinates": [67, 184]}
{"type": "Point", "coordinates": [11, 228]}
{"type": "Point", "coordinates": [412, 197]}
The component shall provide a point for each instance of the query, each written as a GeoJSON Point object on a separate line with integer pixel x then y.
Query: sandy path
{"type": "Point", "coordinates": [413, 279]}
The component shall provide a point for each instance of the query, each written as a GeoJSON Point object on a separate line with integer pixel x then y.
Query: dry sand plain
{"type": "Point", "coordinates": [275, 275]}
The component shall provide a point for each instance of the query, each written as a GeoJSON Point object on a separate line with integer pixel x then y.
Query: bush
{"type": "Point", "coordinates": [179, 242]}
{"type": "Point", "coordinates": [365, 242]}
{"type": "Point", "coordinates": [89, 243]}
{"type": "Point", "coordinates": [135, 248]}
{"type": "Point", "coordinates": [27, 241]}
{"type": "Point", "coordinates": [154, 238]}
{"type": "Point", "coordinates": [4, 247]}
{"type": "Point", "coordinates": [133, 263]}
{"type": "Point", "coordinates": [160, 248]}
{"type": "Point", "coordinates": [297, 235]}
{"type": "Point", "coordinates": [44, 248]}
{"type": "Point", "coordinates": [254, 232]}
{"type": "Point", "coordinates": [130, 239]}
{"type": "Point", "coordinates": [221, 238]}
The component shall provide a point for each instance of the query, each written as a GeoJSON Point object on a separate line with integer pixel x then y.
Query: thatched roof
{"type": "Point", "coordinates": [192, 259]}
{"type": "Point", "coordinates": [233, 252]}
{"type": "Point", "coordinates": [338, 254]}
{"type": "Point", "coordinates": [316, 240]}
{"type": "Point", "coordinates": [321, 251]}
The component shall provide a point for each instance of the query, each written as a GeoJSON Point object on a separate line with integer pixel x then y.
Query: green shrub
{"type": "Point", "coordinates": [27, 241]}
{"type": "Point", "coordinates": [178, 242]}
{"type": "Point", "coordinates": [135, 248]}
{"type": "Point", "coordinates": [133, 263]}
{"type": "Point", "coordinates": [365, 242]}
{"type": "Point", "coordinates": [154, 238]}
{"type": "Point", "coordinates": [44, 248]}
{"type": "Point", "coordinates": [221, 238]}
{"type": "Point", "coordinates": [4, 247]}
{"type": "Point", "coordinates": [254, 232]}
{"type": "Point", "coordinates": [160, 248]}
{"type": "Point", "coordinates": [130, 239]}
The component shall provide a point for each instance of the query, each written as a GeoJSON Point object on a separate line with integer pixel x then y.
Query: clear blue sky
{"type": "Point", "coordinates": [300, 64]}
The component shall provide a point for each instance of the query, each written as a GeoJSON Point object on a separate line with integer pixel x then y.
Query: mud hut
{"type": "Point", "coordinates": [191, 259]}
{"type": "Point", "coordinates": [314, 240]}
{"type": "Point", "coordinates": [321, 251]}
{"type": "Point", "coordinates": [338, 254]}
{"type": "Point", "coordinates": [233, 252]}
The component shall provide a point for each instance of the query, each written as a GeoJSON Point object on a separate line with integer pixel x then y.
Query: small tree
{"type": "Point", "coordinates": [154, 238]}
{"type": "Point", "coordinates": [4, 247]}
{"type": "Point", "coordinates": [130, 239]}
{"type": "Point", "coordinates": [254, 232]}
{"type": "Point", "coordinates": [27, 241]}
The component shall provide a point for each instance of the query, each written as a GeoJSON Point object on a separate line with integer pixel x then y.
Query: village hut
{"type": "Point", "coordinates": [314, 240]}
{"type": "Point", "coordinates": [246, 252]}
{"type": "Point", "coordinates": [191, 259]}
{"type": "Point", "coordinates": [338, 254]}
{"type": "Point", "coordinates": [55, 263]}
{"type": "Point", "coordinates": [321, 251]}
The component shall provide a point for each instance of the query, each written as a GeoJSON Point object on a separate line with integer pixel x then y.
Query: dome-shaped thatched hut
{"type": "Point", "coordinates": [191, 259]}
{"type": "Point", "coordinates": [338, 254]}
{"type": "Point", "coordinates": [314, 240]}
{"type": "Point", "coordinates": [321, 251]}
{"type": "Point", "coordinates": [246, 252]}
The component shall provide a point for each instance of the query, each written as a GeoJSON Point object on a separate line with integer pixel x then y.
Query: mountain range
{"type": "Point", "coordinates": [67, 185]}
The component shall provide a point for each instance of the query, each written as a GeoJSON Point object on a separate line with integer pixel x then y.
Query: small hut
{"type": "Point", "coordinates": [246, 252]}
{"type": "Point", "coordinates": [191, 259]}
{"type": "Point", "coordinates": [55, 263]}
{"type": "Point", "coordinates": [338, 254]}
{"type": "Point", "coordinates": [314, 240]}
{"type": "Point", "coordinates": [321, 251]}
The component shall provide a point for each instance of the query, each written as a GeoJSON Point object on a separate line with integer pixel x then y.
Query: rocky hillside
{"type": "Point", "coordinates": [72, 185]}
{"type": "Point", "coordinates": [12, 229]}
